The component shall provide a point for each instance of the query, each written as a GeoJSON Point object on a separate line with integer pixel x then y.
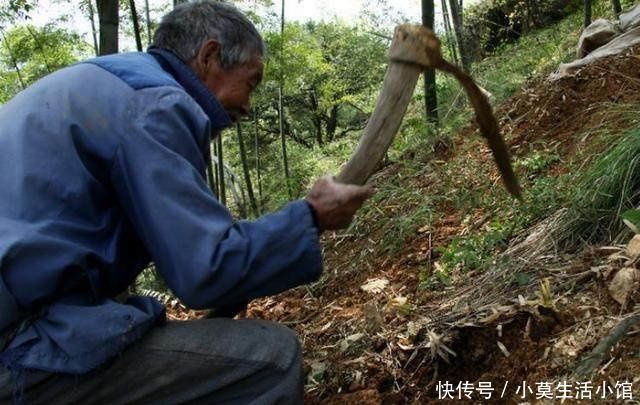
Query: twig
{"type": "Point", "coordinates": [589, 364]}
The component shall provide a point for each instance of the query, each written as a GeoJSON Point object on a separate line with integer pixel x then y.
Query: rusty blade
{"type": "Point", "coordinates": [503, 161]}
{"type": "Point", "coordinates": [488, 127]}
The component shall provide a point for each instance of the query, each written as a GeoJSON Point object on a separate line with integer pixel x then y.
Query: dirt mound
{"type": "Point", "coordinates": [557, 110]}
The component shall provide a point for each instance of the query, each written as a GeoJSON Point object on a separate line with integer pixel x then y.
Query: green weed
{"type": "Point", "coordinates": [608, 188]}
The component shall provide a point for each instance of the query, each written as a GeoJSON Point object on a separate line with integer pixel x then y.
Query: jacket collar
{"type": "Point", "coordinates": [172, 64]}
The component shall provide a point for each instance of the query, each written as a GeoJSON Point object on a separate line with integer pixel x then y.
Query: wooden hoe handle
{"type": "Point", "coordinates": [413, 49]}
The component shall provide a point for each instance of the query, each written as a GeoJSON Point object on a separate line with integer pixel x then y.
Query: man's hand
{"type": "Point", "coordinates": [334, 203]}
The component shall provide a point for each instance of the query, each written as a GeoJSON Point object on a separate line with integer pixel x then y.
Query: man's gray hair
{"type": "Point", "coordinates": [185, 29]}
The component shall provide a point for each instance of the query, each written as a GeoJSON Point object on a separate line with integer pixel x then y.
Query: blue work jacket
{"type": "Point", "coordinates": [102, 170]}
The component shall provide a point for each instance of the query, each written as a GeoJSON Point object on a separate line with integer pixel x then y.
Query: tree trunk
{"type": "Point", "coordinates": [285, 160]}
{"type": "Point", "coordinates": [258, 168]}
{"type": "Point", "coordinates": [247, 175]}
{"type": "Point", "coordinates": [108, 16]}
{"type": "Point", "coordinates": [281, 111]}
{"type": "Point", "coordinates": [456, 16]}
{"type": "Point", "coordinates": [430, 94]}
{"type": "Point", "coordinates": [316, 116]}
{"type": "Point", "coordinates": [146, 9]}
{"type": "Point", "coordinates": [587, 13]}
{"type": "Point", "coordinates": [534, 9]}
{"type": "Point", "coordinates": [136, 24]}
{"type": "Point", "coordinates": [617, 8]}
{"type": "Point", "coordinates": [94, 32]}
{"type": "Point", "coordinates": [332, 123]}
{"type": "Point", "coordinates": [451, 40]}
{"type": "Point", "coordinates": [223, 190]}
{"type": "Point", "coordinates": [211, 173]}
{"type": "Point", "coordinates": [214, 168]}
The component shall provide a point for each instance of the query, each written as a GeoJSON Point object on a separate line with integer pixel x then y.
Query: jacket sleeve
{"type": "Point", "coordinates": [208, 259]}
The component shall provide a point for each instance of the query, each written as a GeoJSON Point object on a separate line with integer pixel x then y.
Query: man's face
{"type": "Point", "coordinates": [233, 87]}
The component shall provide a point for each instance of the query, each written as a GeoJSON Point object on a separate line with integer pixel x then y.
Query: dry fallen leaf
{"type": "Point", "coordinates": [624, 283]}
{"type": "Point", "coordinates": [633, 248]}
{"type": "Point", "coordinates": [399, 301]}
{"type": "Point", "coordinates": [375, 286]}
{"type": "Point", "coordinates": [424, 229]}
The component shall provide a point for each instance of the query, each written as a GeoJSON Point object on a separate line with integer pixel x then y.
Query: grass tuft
{"type": "Point", "coordinates": [609, 187]}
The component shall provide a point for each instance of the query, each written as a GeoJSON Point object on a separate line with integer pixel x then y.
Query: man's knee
{"type": "Point", "coordinates": [283, 344]}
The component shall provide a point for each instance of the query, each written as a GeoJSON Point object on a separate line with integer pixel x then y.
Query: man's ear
{"type": "Point", "coordinates": [210, 53]}
{"type": "Point", "coordinates": [207, 57]}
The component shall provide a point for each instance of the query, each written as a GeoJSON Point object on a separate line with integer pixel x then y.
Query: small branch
{"type": "Point", "coordinates": [379, 35]}
{"type": "Point", "coordinates": [588, 365]}
{"type": "Point", "coordinates": [349, 129]}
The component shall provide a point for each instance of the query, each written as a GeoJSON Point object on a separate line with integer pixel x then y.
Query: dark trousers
{"type": "Point", "coordinates": [209, 361]}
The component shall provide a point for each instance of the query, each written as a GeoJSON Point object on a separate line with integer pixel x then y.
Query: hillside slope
{"type": "Point", "coordinates": [443, 278]}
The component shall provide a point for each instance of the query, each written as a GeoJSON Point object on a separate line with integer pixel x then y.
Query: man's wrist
{"type": "Point", "coordinates": [314, 215]}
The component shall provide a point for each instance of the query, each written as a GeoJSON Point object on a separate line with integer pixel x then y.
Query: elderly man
{"type": "Point", "coordinates": [102, 171]}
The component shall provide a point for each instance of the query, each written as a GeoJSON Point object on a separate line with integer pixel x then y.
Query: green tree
{"type": "Point", "coordinates": [330, 73]}
{"type": "Point", "coordinates": [31, 52]}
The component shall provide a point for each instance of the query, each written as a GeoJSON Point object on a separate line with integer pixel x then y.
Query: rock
{"type": "Point", "coordinates": [599, 33]}
{"type": "Point", "coordinates": [624, 283]}
{"type": "Point", "coordinates": [618, 45]}
{"type": "Point", "coordinates": [633, 248]}
{"type": "Point", "coordinates": [630, 19]}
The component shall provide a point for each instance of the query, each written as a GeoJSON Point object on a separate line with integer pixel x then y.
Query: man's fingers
{"type": "Point", "coordinates": [335, 204]}
{"type": "Point", "coordinates": [359, 192]}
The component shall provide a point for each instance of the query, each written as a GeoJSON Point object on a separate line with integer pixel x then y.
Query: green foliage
{"type": "Point", "coordinates": [507, 70]}
{"type": "Point", "coordinates": [492, 23]}
{"type": "Point", "coordinates": [534, 55]}
{"type": "Point", "coordinates": [329, 72]}
{"type": "Point", "coordinates": [415, 130]}
{"type": "Point", "coordinates": [475, 251]}
{"type": "Point", "coordinates": [536, 162]}
{"type": "Point", "coordinates": [631, 218]}
{"type": "Point", "coordinates": [398, 229]}
{"type": "Point", "coordinates": [437, 280]}
{"type": "Point", "coordinates": [522, 279]}
{"type": "Point", "coordinates": [36, 52]}
{"type": "Point", "coordinates": [149, 279]}
{"type": "Point", "coordinates": [332, 74]}
{"type": "Point", "coordinates": [610, 187]}
{"type": "Point", "coordinates": [16, 8]}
